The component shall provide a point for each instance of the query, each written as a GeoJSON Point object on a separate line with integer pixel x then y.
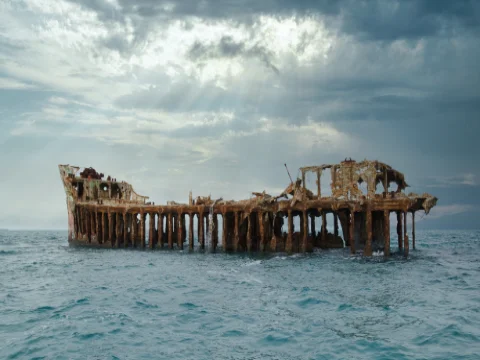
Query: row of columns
{"type": "Point", "coordinates": [403, 240]}
{"type": "Point", "coordinates": [128, 229]}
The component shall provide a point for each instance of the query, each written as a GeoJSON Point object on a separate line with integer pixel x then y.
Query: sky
{"type": "Point", "coordinates": [215, 96]}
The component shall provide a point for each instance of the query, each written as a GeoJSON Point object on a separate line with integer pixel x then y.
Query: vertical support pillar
{"type": "Point", "coordinates": [352, 232]}
{"type": "Point", "coordinates": [335, 224]}
{"type": "Point", "coordinates": [368, 245]}
{"type": "Point", "coordinates": [92, 223]}
{"type": "Point", "coordinates": [142, 230]}
{"type": "Point", "coordinates": [405, 235]}
{"type": "Point", "coordinates": [151, 231]}
{"type": "Point", "coordinates": [104, 235]}
{"type": "Point", "coordinates": [110, 227]}
{"type": "Point", "coordinates": [118, 229]}
{"type": "Point", "coordinates": [224, 231]}
{"type": "Point", "coordinates": [399, 230]}
{"type": "Point", "coordinates": [236, 239]}
{"type": "Point", "coordinates": [125, 229]}
{"type": "Point", "coordinates": [201, 231]}
{"type": "Point", "coordinates": [89, 234]}
{"type": "Point", "coordinates": [190, 231]}
{"type": "Point", "coordinates": [160, 239]}
{"type": "Point", "coordinates": [262, 230]}
{"type": "Point", "coordinates": [180, 231]}
{"type": "Point", "coordinates": [249, 232]}
{"type": "Point", "coordinates": [97, 226]}
{"type": "Point", "coordinates": [214, 232]}
{"type": "Point", "coordinates": [324, 227]}
{"type": "Point", "coordinates": [207, 223]}
{"type": "Point", "coordinates": [303, 180]}
{"type": "Point", "coordinates": [289, 244]}
{"type": "Point", "coordinates": [386, 231]}
{"type": "Point", "coordinates": [170, 230]}
{"type": "Point", "coordinates": [413, 229]}
{"type": "Point", "coordinates": [133, 229]}
{"type": "Point", "coordinates": [273, 240]}
{"type": "Point", "coordinates": [305, 232]}
{"type": "Point", "coordinates": [313, 231]}
{"type": "Point", "coordinates": [84, 221]}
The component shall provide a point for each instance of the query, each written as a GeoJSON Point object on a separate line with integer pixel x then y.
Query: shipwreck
{"type": "Point", "coordinates": [109, 213]}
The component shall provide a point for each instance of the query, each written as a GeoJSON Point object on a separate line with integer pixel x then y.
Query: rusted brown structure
{"type": "Point", "coordinates": [110, 213]}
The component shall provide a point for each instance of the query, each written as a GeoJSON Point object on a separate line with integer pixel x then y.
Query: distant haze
{"type": "Point", "coordinates": [215, 96]}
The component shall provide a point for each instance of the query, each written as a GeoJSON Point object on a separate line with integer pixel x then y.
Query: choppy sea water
{"type": "Point", "coordinates": [59, 302]}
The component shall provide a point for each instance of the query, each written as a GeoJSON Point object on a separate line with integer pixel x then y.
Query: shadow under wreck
{"type": "Point", "coordinates": [109, 213]}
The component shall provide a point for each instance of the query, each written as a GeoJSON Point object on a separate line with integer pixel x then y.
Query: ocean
{"type": "Point", "coordinates": [60, 302]}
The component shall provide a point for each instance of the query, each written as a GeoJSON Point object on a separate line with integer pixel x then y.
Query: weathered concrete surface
{"type": "Point", "coordinates": [109, 213]}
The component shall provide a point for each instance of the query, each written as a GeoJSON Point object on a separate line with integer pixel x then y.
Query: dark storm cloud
{"type": "Point", "coordinates": [373, 20]}
{"type": "Point", "coordinates": [229, 48]}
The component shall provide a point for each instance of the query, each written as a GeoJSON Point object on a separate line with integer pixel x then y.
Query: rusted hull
{"type": "Point", "coordinates": [109, 214]}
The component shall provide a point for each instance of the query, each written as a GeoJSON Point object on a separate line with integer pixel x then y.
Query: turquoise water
{"type": "Point", "coordinates": [58, 302]}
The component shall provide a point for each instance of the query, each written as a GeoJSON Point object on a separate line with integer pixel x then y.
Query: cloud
{"type": "Point", "coordinates": [452, 209]}
{"type": "Point", "coordinates": [9, 83]}
{"type": "Point", "coordinates": [367, 20]}
{"type": "Point", "coordinates": [452, 181]}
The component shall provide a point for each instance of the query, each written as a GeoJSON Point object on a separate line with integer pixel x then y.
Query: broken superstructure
{"type": "Point", "coordinates": [109, 213]}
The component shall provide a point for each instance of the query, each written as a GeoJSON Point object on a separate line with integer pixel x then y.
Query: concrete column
{"type": "Point", "coordinates": [190, 231]}
{"type": "Point", "coordinates": [104, 224]}
{"type": "Point", "coordinates": [262, 230]}
{"type": "Point", "coordinates": [324, 227]}
{"type": "Point", "coordinates": [289, 244]}
{"type": "Point", "coordinates": [201, 232]}
{"type": "Point", "coordinates": [125, 229]}
{"type": "Point", "coordinates": [405, 235]}
{"type": "Point", "coordinates": [92, 223]}
{"type": "Point", "coordinates": [249, 232]}
{"type": "Point", "coordinates": [87, 218]}
{"type": "Point", "coordinates": [118, 229]}
{"type": "Point", "coordinates": [170, 230]}
{"type": "Point", "coordinates": [386, 231]}
{"type": "Point", "coordinates": [142, 230]}
{"type": "Point", "coordinates": [151, 231]}
{"type": "Point", "coordinates": [207, 223]}
{"type": "Point", "coordinates": [110, 227]}
{"type": "Point", "coordinates": [305, 232]}
{"type": "Point", "coordinates": [335, 224]}
{"type": "Point", "coordinates": [313, 231]}
{"type": "Point", "coordinates": [133, 230]}
{"type": "Point", "coordinates": [352, 232]}
{"type": "Point", "coordinates": [180, 231]}
{"type": "Point", "coordinates": [368, 245]}
{"type": "Point", "coordinates": [224, 231]}
{"type": "Point", "coordinates": [160, 239]}
{"type": "Point", "coordinates": [236, 239]}
{"type": "Point", "coordinates": [399, 230]}
{"type": "Point", "coordinates": [273, 240]}
{"type": "Point", "coordinates": [215, 232]}
{"type": "Point", "coordinates": [97, 226]}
